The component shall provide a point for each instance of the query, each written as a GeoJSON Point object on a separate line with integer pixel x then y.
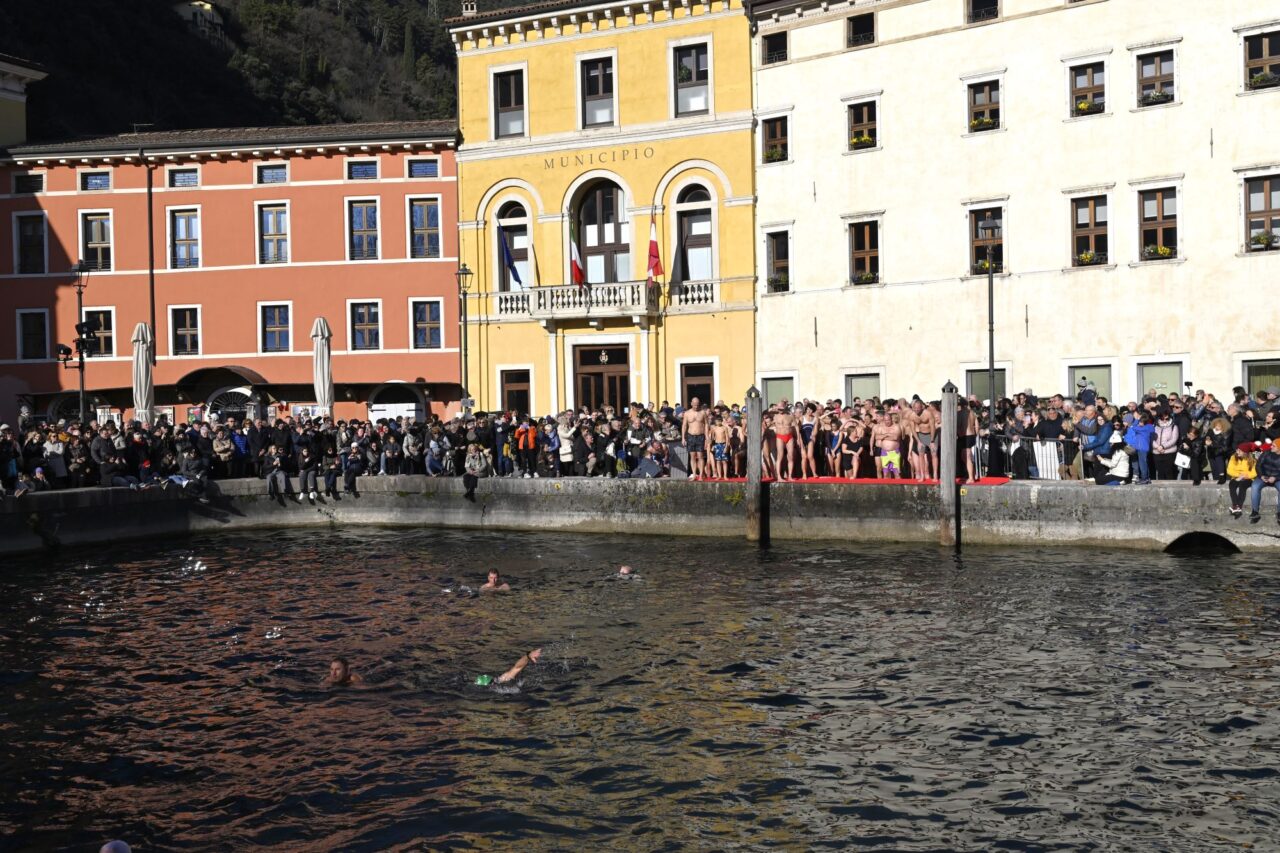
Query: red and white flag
{"type": "Point", "coordinates": [575, 260]}
{"type": "Point", "coordinates": [655, 262]}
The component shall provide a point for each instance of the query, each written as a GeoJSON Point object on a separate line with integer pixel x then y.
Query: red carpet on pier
{"type": "Point", "coordinates": [868, 481]}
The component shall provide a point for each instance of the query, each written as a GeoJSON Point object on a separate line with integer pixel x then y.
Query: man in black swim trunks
{"type": "Point", "coordinates": [693, 430]}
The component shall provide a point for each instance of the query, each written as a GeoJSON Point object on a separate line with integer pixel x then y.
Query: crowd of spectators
{"type": "Point", "coordinates": [1191, 436]}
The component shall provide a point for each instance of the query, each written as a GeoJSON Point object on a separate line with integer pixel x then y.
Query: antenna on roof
{"type": "Point", "coordinates": [139, 126]}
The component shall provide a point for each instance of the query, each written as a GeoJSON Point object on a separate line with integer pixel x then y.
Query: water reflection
{"type": "Point", "coordinates": [892, 697]}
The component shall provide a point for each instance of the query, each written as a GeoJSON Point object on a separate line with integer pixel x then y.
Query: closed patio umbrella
{"type": "Point", "coordinates": [144, 392]}
{"type": "Point", "coordinates": [322, 364]}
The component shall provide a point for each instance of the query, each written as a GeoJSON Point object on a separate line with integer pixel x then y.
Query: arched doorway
{"type": "Point", "coordinates": [238, 403]}
{"type": "Point", "coordinates": [397, 399]}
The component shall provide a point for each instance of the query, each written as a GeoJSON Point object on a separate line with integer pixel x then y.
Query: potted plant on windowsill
{"type": "Point", "coordinates": [779, 284]}
{"type": "Point", "coordinates": [1265, 80]}
{"type": "Point", "coordinates": [774, 154]}
{"type": "Point", "coordinates": [684, 74]}
{"type": "Point", "coordinates": [1085, 108]}
{"type": "Point", "coordinates": [984, 266]}
{"type": "Point", "coordinates": [1263, 242]}
{"type": "Point", "coordinates": [981, 124]}
{"type": "Point", "coordinates": [1157, 253]}
{"type": "Point", "coordinates": [1089, 259]}
{"type": "Point", "coordinates": [1151, 99]}
{"type": "Point", "coordinates": [857, 142]}
{"type": "Point", "coordinates": [866, 278]}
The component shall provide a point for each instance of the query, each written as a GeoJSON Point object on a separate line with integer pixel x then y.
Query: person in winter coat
{"type": "Point", "coordinates": [1218, 447]}
{"type": "Point", "coordinates": [194, 470]}
{"type": "Point", "coordinates": [526, 445]}
{"type": "Point", "coordinates": [353, 467]}
{"type": "Point", "coordinates": [1164, 446]}
{"type": "Point", "coordinates": [240, 451]}
{"type": "Point", "coordinates": [392, 455]}
{"type": "Point", "coordinates": [1138, 436]}
{"type": "Point", "coordinates": [1268, 476]}
{"type": "Point", "coordinates": [549, 445]}
{"type": "Point", "coordinates": [476, 466]}
{"type": "Point", "coordinates": [331, 462]}
{"type": "Point", "coordinates": [1113, 467]}
{"type": "Point", "coordinates": [55, 459]}
{"type": "Point", "coordinates": [567, 434]}
{"type": "Point", "coordinates": [1241, 471]}
{"type": "Point", "coordinates": [1242, 429]}
{"type": "Point", "coordinates": [1192, 446]}
{"type": "Point", "coordinates": [276, 470]}
{"type": "Point", "coordinates": [308, 470]}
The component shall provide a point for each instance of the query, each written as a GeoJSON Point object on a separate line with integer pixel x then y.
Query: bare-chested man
{"type": "Point", "coordinates": [906, 415]}
{"type": "Point", "coordinates": [693, 432]}
{"type": "Point", "coordinates": [966, 435]}
{"type": "Point", "coordinates": [886, 439]}
{"type": "Point", "coordinates": [784, 433]}
{"type": "Point", "coordinates": [926, 448]}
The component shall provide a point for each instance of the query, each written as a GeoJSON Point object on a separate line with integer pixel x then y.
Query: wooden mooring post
{"type": "Point", "coordinates": [948, 488]}
{"type": "Point", "coordinates": [757, 498]}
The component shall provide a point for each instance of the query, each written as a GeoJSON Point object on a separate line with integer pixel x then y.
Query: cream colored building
{"type": "Point", "coordinates": [1129, 151]}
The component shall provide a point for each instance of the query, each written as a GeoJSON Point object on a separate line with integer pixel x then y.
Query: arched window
{"type": "Point", "coordinates": [513, 228]}
{"type": "Point", "coordinates": [604, 235]}
{"type": "Point", "coordinates": [695, 249]}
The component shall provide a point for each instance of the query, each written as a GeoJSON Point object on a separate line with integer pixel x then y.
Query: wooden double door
{"type": "Point", "coordinates": [602, 376]}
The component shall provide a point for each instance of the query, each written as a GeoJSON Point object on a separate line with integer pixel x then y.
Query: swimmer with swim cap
{"type": "Point", "coordinates": [116, 846]}
{"type": "Point", "coordinates": [340, 674]}
{"type": "Point", "coordinates": [511, 674]}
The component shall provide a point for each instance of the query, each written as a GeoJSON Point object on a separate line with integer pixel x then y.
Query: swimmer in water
{"type": "Point", "coordinates": [495, 583]}
{"type": "Point", "coordinates": [340, 674]}
{"type": "Point", "coordinates": [513, 673]}
{"type": "Point", "coordinates": [627, 573]}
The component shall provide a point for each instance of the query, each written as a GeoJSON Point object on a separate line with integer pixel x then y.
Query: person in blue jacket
{"type": "Point", "coordinates": [1138, 436]}
{"type": "Point", "coordinates": [1099, 444]}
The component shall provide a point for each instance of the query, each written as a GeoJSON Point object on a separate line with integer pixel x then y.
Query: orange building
{"type": "Point", "coordinates": [253, 234]}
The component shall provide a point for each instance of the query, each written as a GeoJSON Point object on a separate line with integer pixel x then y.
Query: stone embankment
{"type": "Point", "coordinates": [1020, 513]}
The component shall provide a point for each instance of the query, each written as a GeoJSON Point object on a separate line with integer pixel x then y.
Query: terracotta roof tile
{"type": "Point", "coordinates": [241, 137]}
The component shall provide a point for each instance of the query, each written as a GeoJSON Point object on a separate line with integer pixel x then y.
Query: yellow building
{"type": "Point", "coordinates": [595, 123]}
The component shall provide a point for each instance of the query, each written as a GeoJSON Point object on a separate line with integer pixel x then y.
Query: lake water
{"type": "Point", "coordinates": [804, 697]}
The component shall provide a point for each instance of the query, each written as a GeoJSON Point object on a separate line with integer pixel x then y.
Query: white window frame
{"type": "Point", "coordinates": [612, 55]}
{"type": "Point", "coordinates": [787, 112]}
{"type": "Point", "coordinates": [849, 219]}
{"type": "Point", "coordinates": [682, 207]}
{"type": "Point", "coordinates": [1075, 60]}
{"type": "Point", "coordinates": [967, 80]}
{"type": "Point", "coordinates": [875, 96]}
{"type": "Point", "coordinates": [44, 185]}
{"type": "Point", "coordinates": [346, 227]}
{"type": "Point", "coordinates": [1135, 227]}
{"type": "Point", "coordinates": [1139, 50]}
{"type": "Point", "coordinates": [1072, 195]}
{"type": "Point", "coordinates": [1241, 360]}
{"type": "Point", "coordinates": [1002, 202]}
{"type": "Point", "coordinates": [275, 303]}
{"type": "Point", "coordinates": [966, 367]}
{"type": "Point", "coordinates": [1139, 361]}
{"type": "Point", "coordinates": [115, 329]}
{"type": "Point", "coordinates": [44, 214]}
{"type": "Point", "coordinates": [1242, 33]}
{"type": "Point", "coordinates": [17, 340]}
{"type": "Point", "coordinates": [351, 330]}
{"type": "Point", "coordinates": [1243, 176]}
{"type": "Point", "coordinates": [168, 236]}
{"type": "Point", "coordinates": [494, 71]}
{"type": "Point", "coordinates": [714, 361]}
{"type": "Point", "coordinates": [793, 375]}
{"type": "Point", "coordinates": [172, 330]}
{"type": "Point", "coordinates": [80, 218]}
{"type": "Point", "coordinates": [257, 230]}
{"type": "Point", "coordinates": [845, 372]}
{"type": "Point", "coordinates": [183, 167]}
{"type": "Point", "coordinates": [436, 157]}
{"type": "Point", "coordinates": [81, 171]}
{"type": "Point", "coordinates": [1112, 363]}
{"type": "Point", "coordinates": [257, 169]}
{"type": "Point", "coordinates": [438, 198]}
{"type": "Point", "coordinates": [366, 158]}
{"type": "Point", "coordinates": [690, 41]}
{"type": "Point", "coordinates": [785, 33]}
{"type": "Point", "coordinates": [443, 325]}
{"type": "Point", "coordinates": [767, 229]}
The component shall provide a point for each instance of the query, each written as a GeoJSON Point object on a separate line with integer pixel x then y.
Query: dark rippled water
{"type": "Point", "coordinates": [807, 697]}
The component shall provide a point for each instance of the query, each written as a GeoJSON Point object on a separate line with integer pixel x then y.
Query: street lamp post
{"type": "Point", "coordinates": [464, 285]}
{"type": "Point", "coordinates": [85, 331]}
{"type": "Point", "coordinates": [988, 228]}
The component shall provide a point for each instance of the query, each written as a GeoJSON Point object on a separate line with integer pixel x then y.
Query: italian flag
{"type": "Point", "coordinates": [575, 260]}
{"type": "Point", "coordinates": [655, 262]}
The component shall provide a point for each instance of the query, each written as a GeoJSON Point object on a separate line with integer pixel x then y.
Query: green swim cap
{"type": "Point", "coordinates": [484, 680]}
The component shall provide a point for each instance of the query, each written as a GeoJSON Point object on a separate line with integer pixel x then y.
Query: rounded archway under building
{"type": "Point", "coordinates": [391, 400]}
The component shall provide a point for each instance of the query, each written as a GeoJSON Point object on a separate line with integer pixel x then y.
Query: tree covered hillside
{"type": "Point", "coordinates": [116, 63]}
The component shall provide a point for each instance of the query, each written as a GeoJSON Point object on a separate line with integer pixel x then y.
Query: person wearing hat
{"type": "Point", "coordinates": [1241, 471]}
{"type": "Point", "coordinates": [1086, 393]}
{"type": "Point", "coordinates": [352, 468]}
{"type": "Point", "coordinates": [1268, 476]}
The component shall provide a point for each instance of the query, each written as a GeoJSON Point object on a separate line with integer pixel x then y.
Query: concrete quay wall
{"type": "Point", "coordinates": [1020, 514]}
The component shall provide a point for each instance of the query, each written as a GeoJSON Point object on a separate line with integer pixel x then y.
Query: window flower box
{"type": "Point", "coordinates": [980, 124]}
{"type": "Point", "coordinates": [1265, 80]}
{"type": "Point", "coordinates": [1090, 259]}
{"type": "Point", "coordinates": [1088, 108]}
{"type": "Point", "coordinates": [857, 143]}
{"type": "Point", "coordinates": [1264, 242]}
{"type": "Point", "coordinates": [984, 267]}
{"type": "Point", "coordinates": [1151, 99]}
{"type": "Point", "coordinates": [1158, 253]}
{"type": "Point", "coordinates": [779, 284]}
{"type": "Point", "coordinates": [774, 154]}
{"type": "Point", "coordinates": [866, 278]}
